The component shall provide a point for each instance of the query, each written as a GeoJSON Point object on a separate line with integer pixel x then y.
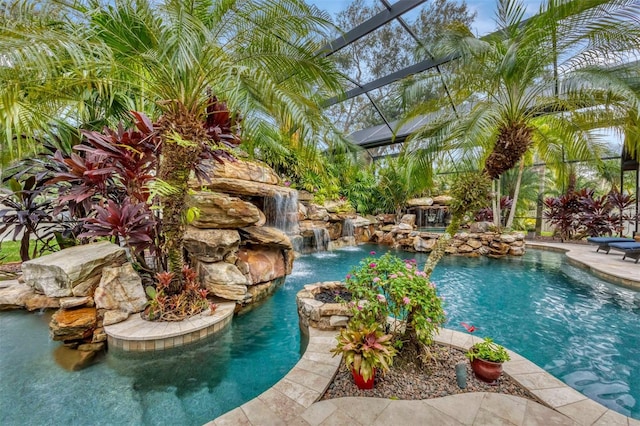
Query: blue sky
{"type": "Point", "coordinates": [485, 8]}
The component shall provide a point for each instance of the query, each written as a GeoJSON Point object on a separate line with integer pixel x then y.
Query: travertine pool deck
{"type": "Point", "coordinates": [609, 267]}
{"type": "Point", "coordinates": [138, 335]}
{"type": "Point", "coordinates": [292, 401]}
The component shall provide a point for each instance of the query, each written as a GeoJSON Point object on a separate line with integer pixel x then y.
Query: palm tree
{"type": "Point", "coordinates": [537, 81]}
{"type": "Point", "coordinates": [169, 58]}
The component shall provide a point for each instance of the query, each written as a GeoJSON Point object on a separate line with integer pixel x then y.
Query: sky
{"type": "Point", "coordinates": [485, 9]}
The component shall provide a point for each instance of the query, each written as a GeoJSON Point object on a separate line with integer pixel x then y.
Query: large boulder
{"type": "Point", "coordinates": [265, 264]}
{"type": "Point", "coordinates": [244, 187]}
{"type": "Point", "coordinates": [57, 274]}
{"type": "Point", "coordinates": [211, 245]}
{"type": "Point", "coordinates": [243, 170]}
{"type": "Point", "coordinates": [265, 236]}
{"type": "Point", "coordinates": [223, 280]}
{"type": "Point", "coordinates": [220, 211]}
{"type": "Point", "coordinates": [443, 200]}
{"type": "Point", "coordinates": [408, 219]}
{"type": "Point", "coordinates": [120, 289]}
{"type": "Point", "coordinates": [416, 202]}
{"type": "Point", "coordinates": [73, 324]}
{"type": "Point", "coordinates": [13, 295]}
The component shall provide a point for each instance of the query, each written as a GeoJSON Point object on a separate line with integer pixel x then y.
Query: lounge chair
{"type": "Point", "coordinates": [603, 242]}
{"type": "Point", "coordinates": [631, 250]}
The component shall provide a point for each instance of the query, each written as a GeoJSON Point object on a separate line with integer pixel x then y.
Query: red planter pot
{"type": "Point", "coordinates": [360, 382]}
{"type": "Point", "coordinates": [486, 371]}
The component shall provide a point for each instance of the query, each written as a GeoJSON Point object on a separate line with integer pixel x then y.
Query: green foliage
{"type": "Point", "coordinates": [394, 287]}
{"type": "Point", "coordinates": [471, 192]}
{"type": "Point", "coordinates": [189, 301]}
{"type": "Point", "coordinates": [488, 351]}
{"type": "Point", "coordinates": [365, 347]}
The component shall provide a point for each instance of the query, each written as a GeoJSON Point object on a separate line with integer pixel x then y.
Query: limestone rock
{"type": "Point", "coordinates": [443, 200]}
{"type": "Point", "coordinates": [422, 245]}
{"type": "Point", "coordinates": [387, 218]}
{"type": "Point", "coordinates": [73, 324]}
{"type": "Point", "coordinates": [220, 211]}
{"type": "Point", "coordinates": [229, 291]}
{"type": "Point", "coordinates": [74, 302]}
{"type": "Point", "coordinates": [221, 274]}
{"type": "Point", "coordinates": [462, 236]}
{"type": "Point", "coordinates": [265, 236]}
{"type": "Point", "coordinates": [315, 212]}
{"type": "Point", "coordinates": [507, 238]}
{"type": "Point", "coordinates": [99, 335]}
{"type": "Point", "coordinates": [211, 245]}
{"type": "Point", "coordinates": [338, 320]}
{"type": "Point", "coordinates": [91, 347]}
{"type": "Point", "coordinates": [71, 359]}
{"type": "Point", "coordinates": [416, 202]}
{"type": "Point", "coordinates": [243, 170]}
{"type": "Point", "coordinates": [465, 248]}
{"type": "Point", "coordinates": [14, 296]}
{"type": "Point", "coordinates": [516, 251]}
{"type": "Point", "coordinates": [120, 289]}
{"type": "Point", "coordinates": [36, 302]}
{"type": "Point", "coordinates": [302, 211]}
{"type": "Point", "coordinates": [244, 187]}
{"type": "Point", "coordinates": [261, 291]}
{"type": "Point", "coordinates": [264, 264]}
{"type": "Point", "coordinates": [408, 219]}
{"type": "Point", "coordinates": [58, 273]}
{"type": "Point", "coordinates": [475, 244]}
{"type": "Point", "coordinates": [479, 227]}
{"type": "Point", "coordinates": [360, 221]}
{"type": "Point", "coordinates": [114, 316]}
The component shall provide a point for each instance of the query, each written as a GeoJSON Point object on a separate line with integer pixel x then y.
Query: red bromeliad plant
{"type": "Point", "coordinates": [189, 301]}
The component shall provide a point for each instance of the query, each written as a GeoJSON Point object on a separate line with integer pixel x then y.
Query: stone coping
{"type": "Point", "coordinates": [609, 267]}
{"type": "Point", "coordinates": [136, 334]}
{"type": "Point", "coordinates": [293, 399]}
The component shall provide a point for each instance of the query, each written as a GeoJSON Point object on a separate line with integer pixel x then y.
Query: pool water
{"type": "Point", "coordinates": [580, 329]}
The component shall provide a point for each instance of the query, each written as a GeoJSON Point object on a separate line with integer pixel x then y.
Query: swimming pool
{"type": "Point", "coordinates": [577, 327]}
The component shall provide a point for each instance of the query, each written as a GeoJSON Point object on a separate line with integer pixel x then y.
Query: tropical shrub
{"type": "Point", "coordinates": [577, 214]}
{"type": "Point", "coordinates": [166, 306]}
{"type": "Point", "coordinates": [366, 348]}
{"type": "Point", "coordinates": [396, 288]}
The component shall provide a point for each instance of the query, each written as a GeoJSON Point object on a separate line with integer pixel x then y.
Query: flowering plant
{"type": "Point", "coordinates": [396, 288]}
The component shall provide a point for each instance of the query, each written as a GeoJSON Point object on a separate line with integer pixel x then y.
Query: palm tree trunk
{"type": "Point", "coordinates": [516, 193]}
{"type": "Point", "coordinates": [540, 200]}
{"type": "Point", "coordinates": [183, 136]}
{"type": "Point", "coordinates": [440, 248]}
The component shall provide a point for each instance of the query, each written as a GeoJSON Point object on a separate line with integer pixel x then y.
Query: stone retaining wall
{"type": "Point", "coordinates": [320, 315]}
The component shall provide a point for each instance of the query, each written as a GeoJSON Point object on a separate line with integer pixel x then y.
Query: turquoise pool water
{"type": "Point", "coordinates": [581, 329]}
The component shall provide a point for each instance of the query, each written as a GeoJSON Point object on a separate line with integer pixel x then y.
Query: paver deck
{"type": "Point", "coordinates": [292, 401]}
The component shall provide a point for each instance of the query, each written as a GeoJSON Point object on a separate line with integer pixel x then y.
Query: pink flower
{"type": "Point", "coordinates": [428, 319]}
{"type": "Point", "coordinates": [408, 266]}
{"type": "Point", "coordinates": [393, 276]}
{"type": "Point", "coordinates": [348, 276]}
{"type": "Point", "coordinates": [406, 300]}
{"type": "Point", "coordinates": [400, 274]}
{"type": "Point", "coordinates": [372, 253]}
{"type": "Point", "coordinates": [287, 183]}
{"type": "Point", "coordinates": [359, 307]}
{"type": "Point", "coordinates": [376, 280]}
{"type": "Point", "coordinates": [372, 265]}
{"type": "Point", "coordinates": [381, 298]}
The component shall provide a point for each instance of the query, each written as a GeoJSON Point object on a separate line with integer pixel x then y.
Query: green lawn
{"type": "Point", "coordinates": [10, 251]}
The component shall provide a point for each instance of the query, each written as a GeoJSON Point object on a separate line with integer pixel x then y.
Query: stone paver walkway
{"type": "Point", "coordinates": [609, 267]}
{"type": "Point", "coordinates": [292, 401]}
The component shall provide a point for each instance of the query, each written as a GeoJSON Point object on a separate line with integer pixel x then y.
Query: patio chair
{"type": "Point", "coordinates": [631, 250]}
{"type": "Point", "coordinates": [603, 242]}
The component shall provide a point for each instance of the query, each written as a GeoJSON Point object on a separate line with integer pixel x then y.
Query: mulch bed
{"type": "Point", "coordinates": [407, 380]}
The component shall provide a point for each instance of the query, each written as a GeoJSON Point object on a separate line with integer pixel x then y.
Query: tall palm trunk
{"type": "Point", "coordinates": [442, 243]}
{"type": "Point", "coordinates": [516, 193]}
{"type": "Point", "coordinates": [182, 138]}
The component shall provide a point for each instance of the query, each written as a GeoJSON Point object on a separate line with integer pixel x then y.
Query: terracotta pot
{"type": "Point", "coordinates": [486, 371]}
{"type": "Point", "coordinates": [360, 382]}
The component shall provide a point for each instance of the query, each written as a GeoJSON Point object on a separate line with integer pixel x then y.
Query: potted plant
{"type": "Point", "coordinates": [365, 348]}
{"type": "Point", "coordinates": [486, 359]}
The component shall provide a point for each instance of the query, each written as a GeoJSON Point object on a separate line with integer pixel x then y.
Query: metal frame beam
{"type": "Point", "coordinates": [370, 25]}
{"type": "Point", "coordinates": [390, 78]}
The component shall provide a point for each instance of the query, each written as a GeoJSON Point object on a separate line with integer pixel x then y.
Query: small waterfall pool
{"type": "Point", "coordinates": [580, 329]}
